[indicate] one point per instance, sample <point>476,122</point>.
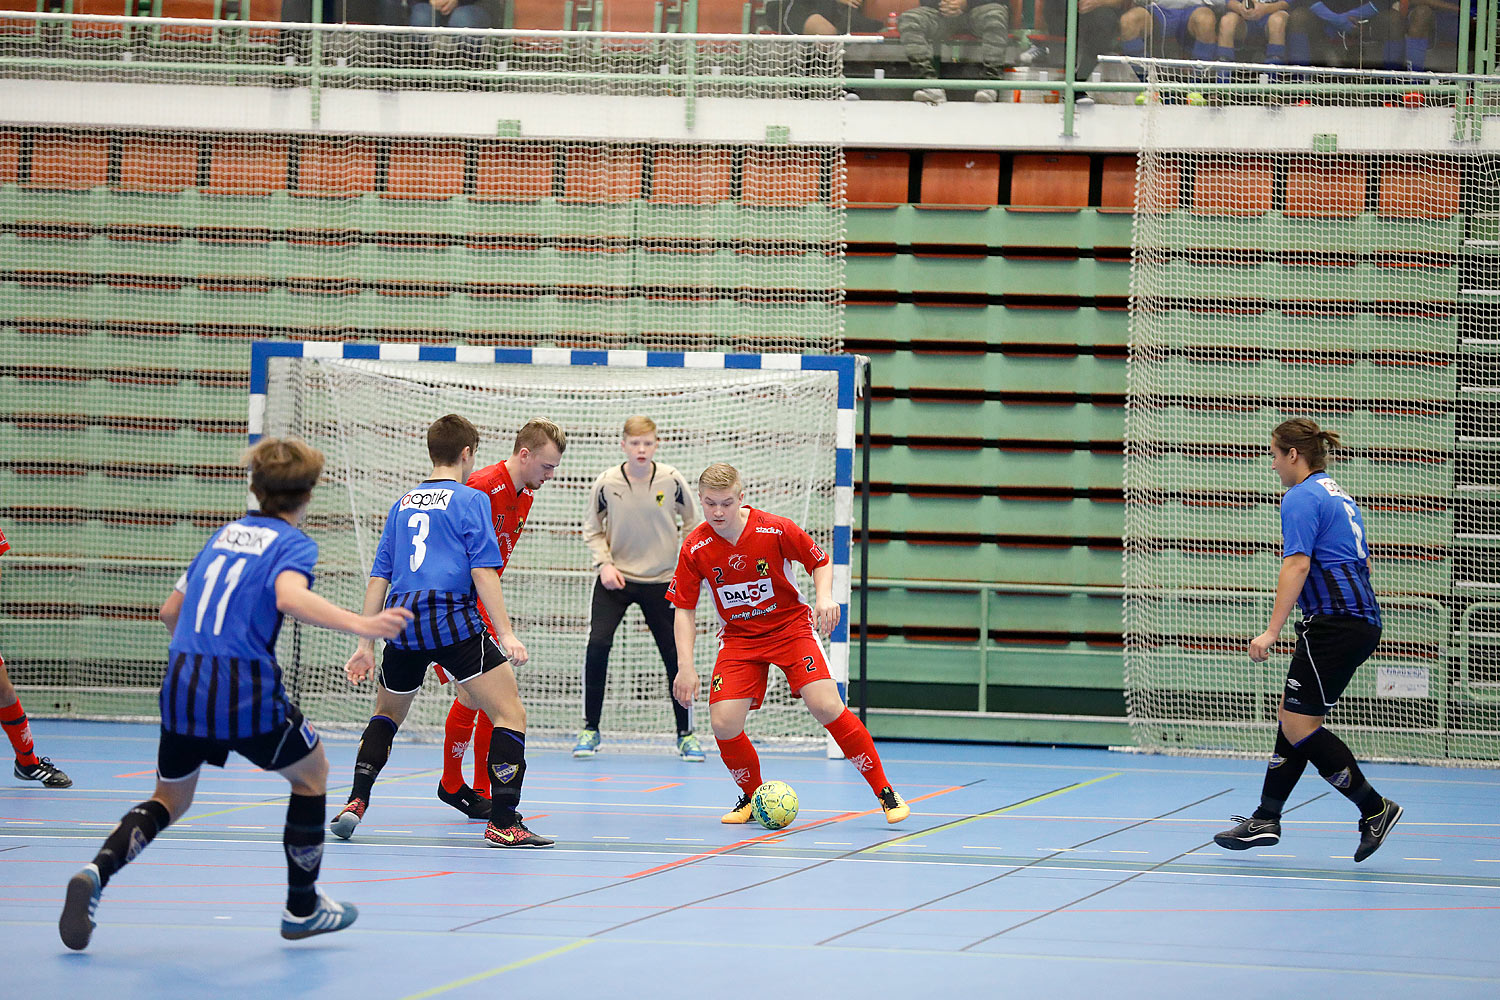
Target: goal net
<point>1329,250</point>
<point>172,191</point>
<point>779,423</point>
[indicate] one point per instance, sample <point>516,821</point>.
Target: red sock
<point>483,728</point>
<point>19,731</point>
<point>743,762</point>
<point>854,739</point>
<point>457,734</point>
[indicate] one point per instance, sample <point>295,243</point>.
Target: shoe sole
<point>583,754</point>
<point>692,758</point>
<point>1236,844</point>
<point>75,925</point>
<point>299,934</point>
<point>490,843</point>
<point>896,815</point>
<point>341,829</point>
<point>1389,827</point>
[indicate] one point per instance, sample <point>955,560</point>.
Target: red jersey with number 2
<point>751,580</point>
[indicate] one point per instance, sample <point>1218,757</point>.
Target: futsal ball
<point>1196,98</point>
<point>774,805</point>
<point>1140,98</point>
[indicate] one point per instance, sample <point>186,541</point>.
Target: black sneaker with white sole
<point>1249,832</point>
<point>1374,829</point>
<point>48,773</point>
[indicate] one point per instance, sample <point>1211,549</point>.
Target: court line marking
<point>1131,878</point>
<point>658,788</point>
<point>997,812</point>
<point>1012,871</point>
<point>776,836</point>
<point>499,970</point>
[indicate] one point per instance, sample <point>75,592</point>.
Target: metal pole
<point>864,548</point>
<point>1070,62</point>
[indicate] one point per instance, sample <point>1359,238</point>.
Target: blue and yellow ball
<point>774,805</point>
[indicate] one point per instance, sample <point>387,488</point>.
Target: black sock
<point>374,751</point>
<point>1336,764</point>
<point>1283,772</point>
<point>507,769</point>
<point>137,829</point>
<point>302,841</point>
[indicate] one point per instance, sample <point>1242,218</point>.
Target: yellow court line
<point>193,817</point>
<point>478,977</point>
<point>995,812</point>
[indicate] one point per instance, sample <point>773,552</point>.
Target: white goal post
<point>787,421</point>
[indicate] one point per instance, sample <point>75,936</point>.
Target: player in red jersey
<point>511,487</point>
<point>745,555</point>
<point>29,767</point>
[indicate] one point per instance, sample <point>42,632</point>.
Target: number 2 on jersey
<point>422,522</point>
<point>211,580</point>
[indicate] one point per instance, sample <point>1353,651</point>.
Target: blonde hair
<point>721,476</point>
<point>538,431</point>
<point>1311,441</point>
<point>638,427</point>
<point>283,472</point>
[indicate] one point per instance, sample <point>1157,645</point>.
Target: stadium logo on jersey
<point>737,562</point>
<point>246,539</point>
<point>745,595</point>
<point>763,530</point>
<point>426,500</point>
<point>699,544</point>
<point>762,567</point>
<point>660,497</point>
<point>497,488</point>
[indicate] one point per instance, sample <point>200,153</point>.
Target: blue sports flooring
<point>1031,872</point>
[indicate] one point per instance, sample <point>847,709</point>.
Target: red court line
<point>136,774</point>
<point>776,835</point>
<point>673,784</point>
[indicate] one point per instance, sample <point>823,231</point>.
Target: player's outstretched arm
<point>685,631</point>
<point>295,599</point>
<point>362,662</point>
<point>825,608</point>
<point>1294,570</point>
<point>487,583</point>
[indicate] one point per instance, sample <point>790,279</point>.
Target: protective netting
<point>170,192</point>
<point>369,417</point>
<point>1289,261</point>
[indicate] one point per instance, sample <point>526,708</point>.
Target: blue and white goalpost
<point>786,421</point>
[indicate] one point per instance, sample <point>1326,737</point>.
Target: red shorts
<point>743,665</point>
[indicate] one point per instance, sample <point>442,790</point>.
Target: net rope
<point>1291,260</point>
<point>776,427</point>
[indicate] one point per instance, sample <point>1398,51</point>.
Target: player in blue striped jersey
<point>222,690</point>
<point>438,558</point>
<point>1325,568</point>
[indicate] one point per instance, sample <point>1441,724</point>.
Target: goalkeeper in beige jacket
<point>633,533</point>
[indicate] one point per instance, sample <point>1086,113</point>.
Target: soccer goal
<point>1326,249</point>
<point>786,421</point>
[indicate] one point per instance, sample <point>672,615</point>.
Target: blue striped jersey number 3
<point>1359,536</point>
<point>211,580</point>
<point>422,522</point>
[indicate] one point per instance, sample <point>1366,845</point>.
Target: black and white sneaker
<point>1249,832</point>
<point>44,771</point>
<point>466,801</point>
<point>1374,829</point>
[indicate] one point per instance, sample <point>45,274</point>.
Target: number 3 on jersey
<point>421,522</point>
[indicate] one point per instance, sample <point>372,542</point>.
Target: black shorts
<point>402,670</point>
<point>179,756</point>
<point>1329,649</point>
